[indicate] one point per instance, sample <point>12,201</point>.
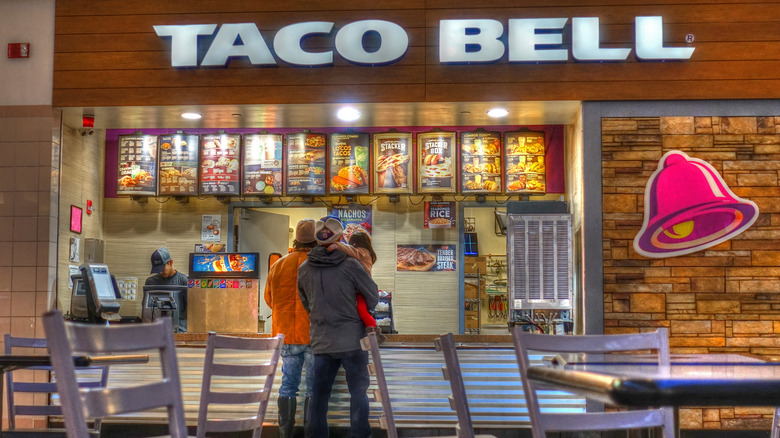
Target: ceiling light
<point>348,114</point>
<point>497,112</point>
<point>191,116</point>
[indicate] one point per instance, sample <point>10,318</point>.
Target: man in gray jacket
<point>328,283</point>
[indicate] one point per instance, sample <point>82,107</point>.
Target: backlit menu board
<point>262,169</point>
<point>349,160</point>
<point>137,167</point>
<point>306,164</point>
<point>392,162</point>
<point>219,155</point>
<point>480,162</point>
<point>437,162</point>
<point>179,165</point>
<point>525,165</point>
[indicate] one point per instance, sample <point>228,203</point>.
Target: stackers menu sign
<point>219,164</point>
<point>262,170</point>
<point>480,162</point>
<point>392,164</point>
<point>306,164</point>
<point>439,214</point>
<point>348,163</point>
<point>436,162</point>
<point>179,165</point>
<point>137,170</point>
<point>525,166</point>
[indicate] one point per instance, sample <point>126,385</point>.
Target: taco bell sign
<point>470,41</point>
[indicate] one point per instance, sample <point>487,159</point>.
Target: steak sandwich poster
<point>426,258</point>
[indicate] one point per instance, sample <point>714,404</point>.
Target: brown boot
<point>380,337</point>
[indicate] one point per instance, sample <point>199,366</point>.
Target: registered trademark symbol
<point>689,38</point>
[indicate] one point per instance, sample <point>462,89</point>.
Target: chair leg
<point>287,407</point>
<point>306,426</point>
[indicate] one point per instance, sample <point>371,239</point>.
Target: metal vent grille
<point>540,260</point>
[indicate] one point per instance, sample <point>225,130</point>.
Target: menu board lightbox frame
<point>306,164</point>
<point>437,162</point>
<point>525,166</point>
<point>393,169</point>
<point>481,156</point>
<point>349,163</point>
<point>137,165</point>
<point>183,171</point>
<point>220,173</point>
<point>225,265</point>
<point>262,164</point>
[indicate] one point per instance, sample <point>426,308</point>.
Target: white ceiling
<point>323,115</point>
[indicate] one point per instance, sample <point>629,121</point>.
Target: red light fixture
<point>88,121</point>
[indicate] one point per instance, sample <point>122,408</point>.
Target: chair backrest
<point>67,339</point>
<point>15,386</point>
<point>452,373</point>
<point>543,422</point>
<point>246,383</point>
<point>381,393</point>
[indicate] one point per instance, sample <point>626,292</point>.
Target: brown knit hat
<point>304,232</point>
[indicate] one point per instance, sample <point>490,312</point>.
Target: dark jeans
<point>326,366</point>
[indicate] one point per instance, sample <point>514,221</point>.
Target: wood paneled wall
<point>107,54</point>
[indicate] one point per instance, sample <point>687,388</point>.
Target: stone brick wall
<point>725,299</point>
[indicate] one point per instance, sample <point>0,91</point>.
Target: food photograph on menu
<point>179,165</point>
<point>349,161</point>
<point>137,165</point>
<point>425,258</point>
<point>480,162</point>
<point>262,169</point>
<point>525,162</point>
<point>437,163</point>
<point>306,164</point>
<point>392,162</point>
<point>219,169</point>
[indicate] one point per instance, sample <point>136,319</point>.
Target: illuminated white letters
<point>460,41</point>
<point>456,35</point>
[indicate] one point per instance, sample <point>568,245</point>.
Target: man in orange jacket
<point>291,319</point>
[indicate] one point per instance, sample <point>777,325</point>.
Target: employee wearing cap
<point>165,274</point>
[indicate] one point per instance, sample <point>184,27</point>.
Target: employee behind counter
<point>165,274</point>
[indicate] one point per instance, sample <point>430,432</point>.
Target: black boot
<point>287,407</point>
<point>306,417</point>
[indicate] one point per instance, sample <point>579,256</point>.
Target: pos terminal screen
<point>104,287</point>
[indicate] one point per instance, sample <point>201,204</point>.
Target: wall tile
<point>24,253</point>
<point>23,279</point>
<point>25,228</point>
<point>23,304</point>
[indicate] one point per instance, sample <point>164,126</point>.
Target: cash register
<point>95,296</point>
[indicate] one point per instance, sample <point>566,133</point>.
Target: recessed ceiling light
<point>348,114</point>
<point>497,112</point>
<point>191,116</point>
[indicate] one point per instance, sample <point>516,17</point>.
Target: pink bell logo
<point>688,207</point>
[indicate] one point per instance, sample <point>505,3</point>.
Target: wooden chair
<point>66,339</point>
<point>29,389</point>
<point>240,383</point>
<point>544,422</point>
<point>459,399</point>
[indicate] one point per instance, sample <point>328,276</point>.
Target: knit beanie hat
<point>304,231</point>
<point>328,230</point>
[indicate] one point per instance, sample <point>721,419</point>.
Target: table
<point>14,362</point>
<point>633,381</point>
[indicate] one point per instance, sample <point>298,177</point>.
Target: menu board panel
<point>179,165</point>
<point>392,164</point>
<point>437,162</point>
<point>219,164</point>
<point>137,167</point>
<point>306,164</point>
<point>348,163</point>
<point>525,163</point>
<point>262,169</point>
<point>480,162</point>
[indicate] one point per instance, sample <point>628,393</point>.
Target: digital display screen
<point>236,265</point>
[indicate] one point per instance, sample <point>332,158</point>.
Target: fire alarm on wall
<point>18,50</point>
